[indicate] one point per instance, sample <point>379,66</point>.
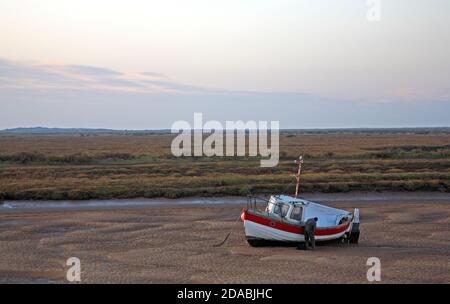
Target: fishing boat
<point>283,219</point>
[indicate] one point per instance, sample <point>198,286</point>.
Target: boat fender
<point>243,216</point>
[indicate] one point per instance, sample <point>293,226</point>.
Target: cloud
<point>26,75</point>
<point>153,74</point>
<point>79,77</point>
<point>84,96</point>
<point>421,94</point>
<point>90,70</point>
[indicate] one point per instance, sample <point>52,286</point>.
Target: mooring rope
<point>229,233</point>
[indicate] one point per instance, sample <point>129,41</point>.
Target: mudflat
<point>174,243</point>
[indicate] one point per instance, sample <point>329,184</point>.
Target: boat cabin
<point>286,207</point>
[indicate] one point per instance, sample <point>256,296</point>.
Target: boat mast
<point>299,162</point>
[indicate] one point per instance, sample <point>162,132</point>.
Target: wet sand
<point>173,243</point>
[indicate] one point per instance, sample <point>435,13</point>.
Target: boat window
<point>284,209</point>
<point>281,209</point>
<point>296,213</point>
<point>277,209</point>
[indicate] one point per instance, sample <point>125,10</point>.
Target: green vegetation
<point>72,166</point>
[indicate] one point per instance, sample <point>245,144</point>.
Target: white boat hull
<point>262,227</point>
<point>257,231</point>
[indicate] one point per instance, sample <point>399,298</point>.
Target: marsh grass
<point>118,166</point>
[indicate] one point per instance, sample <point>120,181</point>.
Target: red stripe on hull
<point>291,228</point>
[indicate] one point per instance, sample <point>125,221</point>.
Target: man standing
<point>310,230</point>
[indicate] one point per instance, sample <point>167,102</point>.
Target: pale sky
<point>144,64</point>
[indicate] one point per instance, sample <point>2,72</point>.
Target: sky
<point>145,64</point>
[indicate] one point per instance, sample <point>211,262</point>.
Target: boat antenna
<point>299,162</point>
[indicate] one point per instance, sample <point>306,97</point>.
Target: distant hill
<point>418,130</point>
<point>43,130</point>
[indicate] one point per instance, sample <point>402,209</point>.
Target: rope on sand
<point>229,233</point>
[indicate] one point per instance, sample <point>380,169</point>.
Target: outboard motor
<point>354,234</point>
